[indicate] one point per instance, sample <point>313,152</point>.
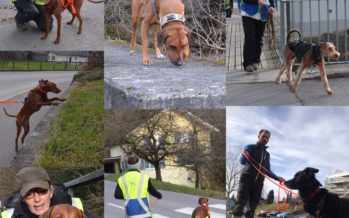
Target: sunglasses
<point>40,191</point>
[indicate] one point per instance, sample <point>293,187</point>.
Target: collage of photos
<point>174,109</point>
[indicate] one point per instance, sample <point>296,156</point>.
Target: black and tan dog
<point>309,54</point>
<point>318,202</point>
<point>168,19</point>
<point>36,98</point>
<point>203,210</point>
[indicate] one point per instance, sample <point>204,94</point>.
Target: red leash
<point>10,102</point>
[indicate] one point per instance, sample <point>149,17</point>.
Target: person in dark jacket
<point>36,194</point>
<point>254,15</point>
<point>251,181</point>
<point>134,187</point>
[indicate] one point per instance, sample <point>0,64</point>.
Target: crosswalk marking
<point>218,206</point>
<point>189,211</point>
<point>117,206</point>
<point>160,216</point>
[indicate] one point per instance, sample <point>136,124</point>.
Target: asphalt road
<point>172,204</point>
<point>15,86</point>
<point>91,38</point>
<point>130,84</point>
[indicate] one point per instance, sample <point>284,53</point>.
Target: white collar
<point>171,17</point>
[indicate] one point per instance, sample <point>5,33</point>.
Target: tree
<point>270,198</point>
<point>154,142</point>
<point>95,59</point>
<point>233,171</point>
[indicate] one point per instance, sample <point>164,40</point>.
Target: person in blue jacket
<point>254,16</point>
<point>251,181</point>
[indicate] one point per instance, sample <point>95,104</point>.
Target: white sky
<point>300,136</point>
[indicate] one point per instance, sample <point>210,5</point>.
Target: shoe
<point>256,66</point>
<point>21,27</point>
<point>249,68</point>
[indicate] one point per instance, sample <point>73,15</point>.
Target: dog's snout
<point>178,62</point>
<point>337,55</point>
<point>57,90</point>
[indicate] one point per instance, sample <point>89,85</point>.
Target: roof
<point>188,114</point>
<point>338,174</point>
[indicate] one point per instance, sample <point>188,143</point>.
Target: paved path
<point>172,204</point>
<point>91,38</point>
<point>129,84</point>
<point>259,88</point>
<point>15,86</point>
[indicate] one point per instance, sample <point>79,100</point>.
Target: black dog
<point>318,202</point>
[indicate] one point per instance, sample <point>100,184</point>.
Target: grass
<point>76,136</point>
<point>178,188</point>
<point>18,65</point>
<point>273,207</point>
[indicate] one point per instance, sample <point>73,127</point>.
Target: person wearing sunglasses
<point>37,195</point>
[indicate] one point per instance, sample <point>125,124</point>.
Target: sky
<point>300,137</point>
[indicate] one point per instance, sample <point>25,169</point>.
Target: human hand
<point>261,3</point>
<point>154,202</point>
<point>271,11</point>
<point>281,180</point>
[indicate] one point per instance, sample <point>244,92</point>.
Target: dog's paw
<point>329,92</point>
<point>57,41</point>
<point>69,23</point>
<point>147,62</point>
<point>63,99</point>
<point>79,32</point>
<point>44,37</point>
<point>132,52</point>
<point>160,56</point>
<point>278,81</point>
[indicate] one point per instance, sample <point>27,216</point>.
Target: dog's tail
<point>8,113</point>
<point>288,37</point>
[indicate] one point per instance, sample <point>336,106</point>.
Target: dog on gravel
<point>203,210</point>
<point>168,19</point>
<point>63,211</point>
<point>318,202</point>
<point>309,54</point>
<point>37,97</point>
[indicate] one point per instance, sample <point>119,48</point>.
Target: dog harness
<point>71,4</point>
<point>301,48</point>
<point>167,18</point>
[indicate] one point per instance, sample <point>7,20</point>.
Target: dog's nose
<point>337,55</point>
<point>179,62</point>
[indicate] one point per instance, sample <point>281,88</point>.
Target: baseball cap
<point>32,177</point>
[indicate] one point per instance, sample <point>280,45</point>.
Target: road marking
<point>189,211</point>
<point>117,206</point>
<point>218,206</point>
<point>159,216</point>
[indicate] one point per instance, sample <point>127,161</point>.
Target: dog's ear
<point>162,36</point>
<point>310,170</point>
<point>188,33</point>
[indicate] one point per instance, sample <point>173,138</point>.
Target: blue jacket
<point>260,155</point>
<point>251,7</point>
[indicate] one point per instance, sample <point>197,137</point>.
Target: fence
<point>319,21</point>
<point>9,65</point>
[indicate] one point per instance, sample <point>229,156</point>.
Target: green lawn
<point>76,136</point>
<point>36,65</point>
<point>179,188</point>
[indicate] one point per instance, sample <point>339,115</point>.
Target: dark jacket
<point>118,192</point>
<point>260,154</point>
<point>59,197</point>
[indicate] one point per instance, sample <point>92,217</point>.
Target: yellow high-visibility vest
<point>134,187</point>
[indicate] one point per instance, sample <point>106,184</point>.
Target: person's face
<point>38,200</point>
<point>263,138</point>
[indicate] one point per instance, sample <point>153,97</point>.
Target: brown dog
<point>56,7</point>
<point>63,211</point>
<point>168,19</point>
<point>203,210</point>
<point>36,98</point>
<point>310,54</point>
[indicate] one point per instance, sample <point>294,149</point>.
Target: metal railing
<point>318,21</point>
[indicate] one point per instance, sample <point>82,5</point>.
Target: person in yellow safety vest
<point>28,10</point>
<point>37,195</point>
<point>134,187</point>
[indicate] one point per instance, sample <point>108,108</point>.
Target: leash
<point>251,160</point>
<point>11,102</point>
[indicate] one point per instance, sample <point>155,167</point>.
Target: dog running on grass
<point>309,54</point>
<point>37,97</point>
<point>318,202</point>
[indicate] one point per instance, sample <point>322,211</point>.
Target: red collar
<point>316,191</point>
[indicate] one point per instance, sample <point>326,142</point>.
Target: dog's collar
<point>171,17</point>
<point>315,192</point>
<point>40,89</point>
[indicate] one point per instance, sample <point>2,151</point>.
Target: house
<point>180,125</point>
<point>70,57</point>
<point>338,182</point>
